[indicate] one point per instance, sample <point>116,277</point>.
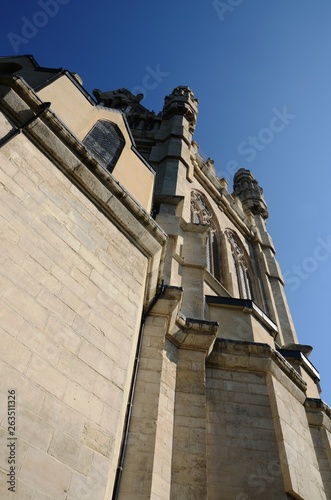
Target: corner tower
<point>247,189</point>
<point>171,153</point>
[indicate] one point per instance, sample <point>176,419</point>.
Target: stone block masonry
<point>69,302</point>
<point>125,389</point>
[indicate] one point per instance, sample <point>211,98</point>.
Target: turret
<point>181,102</point>
<point>250,193</point>
<point>247,189</point>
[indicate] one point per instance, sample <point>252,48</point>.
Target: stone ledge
<point>246,305</point>
<point>318,413</point>
<point>253,356</point>
<point>302,360</point>
<point>193,334</point>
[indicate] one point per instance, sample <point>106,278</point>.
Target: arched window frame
<point>242,269</point>
<point>202,214</point>
<point>105,143</point>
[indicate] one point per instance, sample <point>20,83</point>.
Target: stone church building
<point>147,348</point>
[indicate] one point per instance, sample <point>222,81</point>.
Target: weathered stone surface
<point>81,260</point>
<point>66,277</point>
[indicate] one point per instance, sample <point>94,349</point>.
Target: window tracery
<point>201,214</point>
<point>241,267</point>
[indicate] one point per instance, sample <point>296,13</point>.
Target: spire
<point>250,193</point>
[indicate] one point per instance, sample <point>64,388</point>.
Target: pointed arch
<point>242,269</point>
<point>201,213</point>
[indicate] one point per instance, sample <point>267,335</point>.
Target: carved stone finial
<point>210,164</point>
<point>119,99</point>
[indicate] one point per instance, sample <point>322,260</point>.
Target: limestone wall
<point>299,464</point>
<point>72,288</point>
<point>258,439</point>
<point>243,460</point>
<point>80,261</point>
<point>148,459</point>
<point>321,437</point>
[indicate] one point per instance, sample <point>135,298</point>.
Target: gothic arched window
<point>105,142</point>
<point>201,214</point>
<point>241,267</point>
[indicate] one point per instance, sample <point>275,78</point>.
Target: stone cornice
<point>257,357</point>
<point>318,413</point>
<point>245,305</point>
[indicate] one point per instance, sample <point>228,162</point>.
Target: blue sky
<point>248,62</point>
